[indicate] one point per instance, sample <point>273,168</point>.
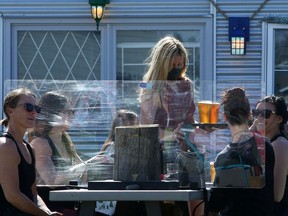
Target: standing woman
<point>167,96</point>
<point>270,117</point>
<point>18,192</point>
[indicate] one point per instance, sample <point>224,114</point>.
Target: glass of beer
<point>214,112</point>
<point>204,109</point>
<point>212,171</point>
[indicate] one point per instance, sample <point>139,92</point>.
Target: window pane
<point>281,63</point>
<point>133,48</point>
<point>59,55</point>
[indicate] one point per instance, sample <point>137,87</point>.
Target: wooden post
<point>137,153</point>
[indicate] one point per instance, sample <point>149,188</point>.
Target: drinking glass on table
<point>172,171</point>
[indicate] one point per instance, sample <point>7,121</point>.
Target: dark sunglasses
<point>264,113</point>
<point>30,107</point>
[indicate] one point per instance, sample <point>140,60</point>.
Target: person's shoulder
<point>186,80</point>
<point>261,139</point>
<point>39,143</point>
<point>5,141</point>
<point>7,147</point>
<point>281,143</point>
<point>38,139</point>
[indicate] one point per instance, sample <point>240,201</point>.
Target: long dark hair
<point>52,104</point>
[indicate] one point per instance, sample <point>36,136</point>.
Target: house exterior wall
<point>228,70</point>
<point>247,71</point>
<point>231,70</point>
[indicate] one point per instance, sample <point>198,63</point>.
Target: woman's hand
<point>178,135</point>
<point>200,138</point>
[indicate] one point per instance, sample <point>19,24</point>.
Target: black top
<point>282,206</point>
<point>58,162</point>
<point>247,201</point>
<point>26,174</point>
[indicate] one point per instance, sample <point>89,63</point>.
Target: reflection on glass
<point>93,107</point>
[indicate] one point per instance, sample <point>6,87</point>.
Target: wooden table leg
<point>87,208</point>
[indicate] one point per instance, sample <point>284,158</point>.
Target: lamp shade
<point>238,34</point>
<point>97,12</point>
<point>97,9</point>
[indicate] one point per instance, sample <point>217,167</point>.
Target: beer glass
<point>214,113</point>
<point>204,109</point>
<point>212,171</point>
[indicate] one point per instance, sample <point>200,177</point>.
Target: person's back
<point>245,151</point>
<point>247,201</point>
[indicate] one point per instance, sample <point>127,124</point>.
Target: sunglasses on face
<point>30,107</point>
<point>264,113</point>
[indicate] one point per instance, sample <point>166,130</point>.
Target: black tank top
<point>284,200</point>
<point>26,174</point>
<point>59,163</point>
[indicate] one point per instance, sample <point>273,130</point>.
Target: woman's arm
<point>9,179</point>
<point>280,147</point>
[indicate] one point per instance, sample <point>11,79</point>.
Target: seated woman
<point>241,162</point>
<point>123,117</point>
<point>55,152</point>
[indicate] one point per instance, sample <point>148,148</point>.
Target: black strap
<point>9,135</point>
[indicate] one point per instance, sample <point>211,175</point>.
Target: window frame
<point>109,29</point>
<point>268,55</point>
<point>203,24</point>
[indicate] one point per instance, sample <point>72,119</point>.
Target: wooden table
<point>88,198</point>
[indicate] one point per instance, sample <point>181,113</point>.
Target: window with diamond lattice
<point>58,55</point>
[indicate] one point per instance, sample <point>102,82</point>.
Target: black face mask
<point>174,74</point>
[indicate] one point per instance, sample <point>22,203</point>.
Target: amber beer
<point>212,171</point>
<point>204,109</point>
<point>214,113</point>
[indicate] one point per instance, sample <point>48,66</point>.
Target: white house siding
<point>61,13</point>
<point>229,71</point>
<point>233,70</point>
<point>244,71</point>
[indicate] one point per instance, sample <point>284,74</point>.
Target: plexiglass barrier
<point>105,130</point>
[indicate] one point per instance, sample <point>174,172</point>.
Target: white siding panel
<point>246,68</point>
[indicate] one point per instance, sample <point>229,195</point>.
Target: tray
<point>220,125</point>
<point>208,127</point>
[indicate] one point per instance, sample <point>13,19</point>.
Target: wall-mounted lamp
<point>239,28</point>
<point>97,9</point>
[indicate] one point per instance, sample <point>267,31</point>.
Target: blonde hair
<point>160,62</point>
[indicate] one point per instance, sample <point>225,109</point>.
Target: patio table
<point>88,198</point>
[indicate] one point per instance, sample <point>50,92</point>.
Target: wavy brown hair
<point>236,106</point>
